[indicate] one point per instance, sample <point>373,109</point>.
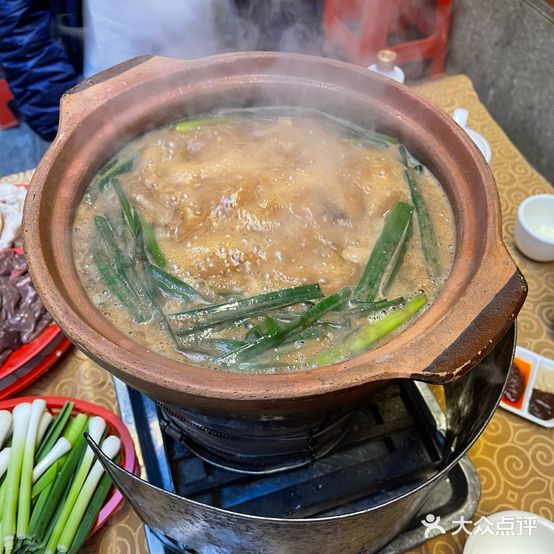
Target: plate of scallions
<point>53,493</point>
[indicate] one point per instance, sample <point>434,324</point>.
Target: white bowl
<point>535,227</point>
<point>512,532</point>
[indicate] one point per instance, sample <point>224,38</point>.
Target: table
<point>514,457</point>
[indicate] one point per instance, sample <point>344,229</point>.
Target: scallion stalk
<point>152,245</point>
<point>96,428</point>
<point>284,332</point>
<point>4,460</point>
<point>110,447</point>
<point>26,481</point>
<point>93,509</point>
<point>21,415</point>
<point>191,124</point>
<point>55,431</point>
<point>43,426</point>
<point>6,425</point>
<point>384,255</point>
<point>361,339</point>
<point>429,243</point>
<point>63,446</point>
<point>201,318</point>
<point>41,519</point>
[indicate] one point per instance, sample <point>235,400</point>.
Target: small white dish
<point>537,363</point>
<point>511,532</point>
<point>460,116</point>
<point>535,227</point>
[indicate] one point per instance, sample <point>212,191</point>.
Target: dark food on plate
<point>515,384</point>
<point>22,315</point>
<point>263,239</point>
<point>541,404</point>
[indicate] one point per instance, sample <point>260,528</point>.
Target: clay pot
<point>474,310</point>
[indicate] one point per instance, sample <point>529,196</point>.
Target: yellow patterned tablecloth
<point>514,458</point>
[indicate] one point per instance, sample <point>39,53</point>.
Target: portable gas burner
<point>399,458</point>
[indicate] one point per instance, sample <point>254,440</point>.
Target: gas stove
<point>392,444</point>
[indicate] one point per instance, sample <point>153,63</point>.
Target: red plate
<point>31,360</point>
<point>26,374</point>
<point>114,426</point>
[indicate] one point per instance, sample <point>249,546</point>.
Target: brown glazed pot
<point>474,310</point>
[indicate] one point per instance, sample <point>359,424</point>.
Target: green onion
<point>107,236</point>
<point>55,431</point>
<point>172,286</point>
<point>370,307</point>
<point>26,481</point>
<point>201,318</point>
<point>291,329</point>
<point>118,287</point>
<point>43,426</point>
<point>152,245</point>
<point>93,509</point>
<point>385,253</point>
<point>41,519</point>
<point>6,425</point>
<point>63,446</point>
<point>429,243</point>
<point>46,479</point>
<point>4,460</point>
<point>361,339</point>
<point>96,429</point>
<point>190,124</point>
<point>113,168</point>
<point>130,215</point>
<point>110,447</point>
<point>21,415</point>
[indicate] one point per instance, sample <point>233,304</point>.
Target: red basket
<point>115,426</point>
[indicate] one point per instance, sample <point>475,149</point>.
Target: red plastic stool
<point>362,27</point>
<point>7,118</point>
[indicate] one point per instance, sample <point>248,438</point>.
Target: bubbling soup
<point>263,240</point>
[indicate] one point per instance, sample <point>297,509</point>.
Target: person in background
<point>44,50</point>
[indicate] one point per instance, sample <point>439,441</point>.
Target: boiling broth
<point>248,203</point>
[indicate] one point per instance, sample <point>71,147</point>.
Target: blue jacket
<point>39,64</point>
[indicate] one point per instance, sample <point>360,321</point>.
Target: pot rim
<point>176,381</point>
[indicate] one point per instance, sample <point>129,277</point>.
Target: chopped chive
<point>276,338</point>
<point>200,318</point>
<point>361,339</point>
<point>385,253</point>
